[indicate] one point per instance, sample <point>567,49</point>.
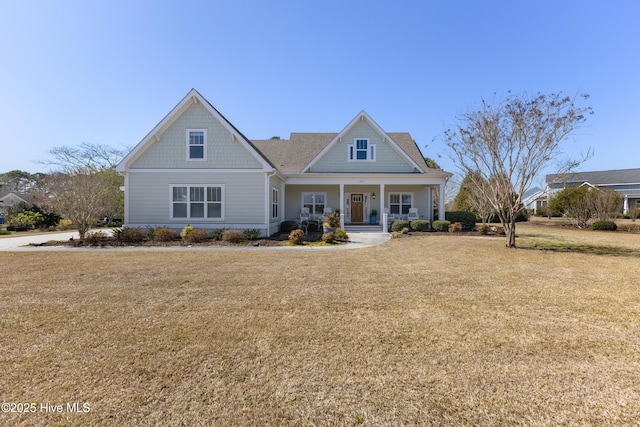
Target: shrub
<point>440,225</point>
<point>95,238</point>
<point>296,237</point>
<point>185,231</point>
<point>341,234</point>
<point>197,235</point>
<point>232,236</point>
<point>329,237</point>
<point>251,234</point>
<point>604,226</point>
<point>499,230</point>
<point>420,225</point>
<point>483,229</point>
<point>65,224</point>
<point>333,219</point>
<point>399,224</point>
<point>633,228</point>
<point>466,219</point>
<point>287,226</point>
<point>164,234</point>
<point>218,233</point>
<point>129,235</point>
<point>456,227</point>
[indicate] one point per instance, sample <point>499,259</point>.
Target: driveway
<point>24,243</point>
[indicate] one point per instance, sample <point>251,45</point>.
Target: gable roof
<point>11,198</point>
<point>608,177</point>
<point>294,154</point>
<point>192,97</point>
<point>363,116</point>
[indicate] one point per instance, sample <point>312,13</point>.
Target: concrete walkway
<point>24,243</point>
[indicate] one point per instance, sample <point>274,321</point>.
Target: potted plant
<point>373,216</point>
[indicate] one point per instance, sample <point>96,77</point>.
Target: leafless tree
<point>604,203</point>
<point>82,196</point>
<point>85,187</point>
<point>86,156</point>
<point>508,143</point>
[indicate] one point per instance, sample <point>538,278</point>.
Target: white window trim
<point>400,193</point>
<point>204,148</point>
<point>188,217</point>
<point>352,151</point>
<point>275,202</point>
<point>314,202</point>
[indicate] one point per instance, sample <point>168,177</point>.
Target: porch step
<point>363,228</point>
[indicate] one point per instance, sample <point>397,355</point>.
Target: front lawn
<point>432,330</point>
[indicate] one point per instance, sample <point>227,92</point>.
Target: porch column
<point>381,210</point>
<point>441,202</point>
<point>342,211</point>
<point>625,207</point>
<point>430,204</point>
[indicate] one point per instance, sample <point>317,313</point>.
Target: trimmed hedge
<point>420,225</point>
<point>467,219</point>
<point>440,225</point>
<point>604,226</point>
<point>399,224</point>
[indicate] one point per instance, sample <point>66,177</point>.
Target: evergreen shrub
<point>440,225</point>
<point>420,225</point>
<point>465,218</point>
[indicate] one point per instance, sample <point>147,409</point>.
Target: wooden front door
<point>357,208</point>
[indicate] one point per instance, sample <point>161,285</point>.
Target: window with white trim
<point>275,203</point>
<point>400,203</point>
<point>196,144</point>
<point>196,202</point>
<point>362,151</point>
<point>315,202</point>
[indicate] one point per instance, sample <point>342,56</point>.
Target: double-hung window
<point>196,144</point>
<point>315,202</point>
<point>400,203</point>
<point>275,203</point>
<point>362,151</point>
<point>196,202</point>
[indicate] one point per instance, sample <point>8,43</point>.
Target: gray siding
<point>387,159</point>
<point>150,197</point>
<point>170,152</point>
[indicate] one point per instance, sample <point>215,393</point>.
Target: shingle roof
<point>620,176</point>
<point>293,154</point>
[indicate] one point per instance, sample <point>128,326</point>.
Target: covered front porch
<point>367,202</point>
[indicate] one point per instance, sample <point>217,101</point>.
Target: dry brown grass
<point>436,330</point>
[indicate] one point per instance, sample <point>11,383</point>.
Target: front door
<point>357,208</point>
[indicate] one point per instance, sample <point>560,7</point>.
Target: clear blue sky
<point>107,72</point>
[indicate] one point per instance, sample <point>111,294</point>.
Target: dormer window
<point>196,144</point>
<point>362,151</point>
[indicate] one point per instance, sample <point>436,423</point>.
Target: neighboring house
<point>9,199</point>
<point>625,182</point>
<point>195,167</point>
<point>534,199</point>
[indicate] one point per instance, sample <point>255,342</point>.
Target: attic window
<point>362,151</point>
<point>196,144</point>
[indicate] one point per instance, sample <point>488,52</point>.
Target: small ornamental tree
<point>506,144</point>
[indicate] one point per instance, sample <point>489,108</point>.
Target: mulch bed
<point>278,239</point>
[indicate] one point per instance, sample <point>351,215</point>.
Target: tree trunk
<point>510,231</point>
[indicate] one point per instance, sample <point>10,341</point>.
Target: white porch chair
<point>413,214</point>
<point>304,219</point>
<point>390,217</point>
